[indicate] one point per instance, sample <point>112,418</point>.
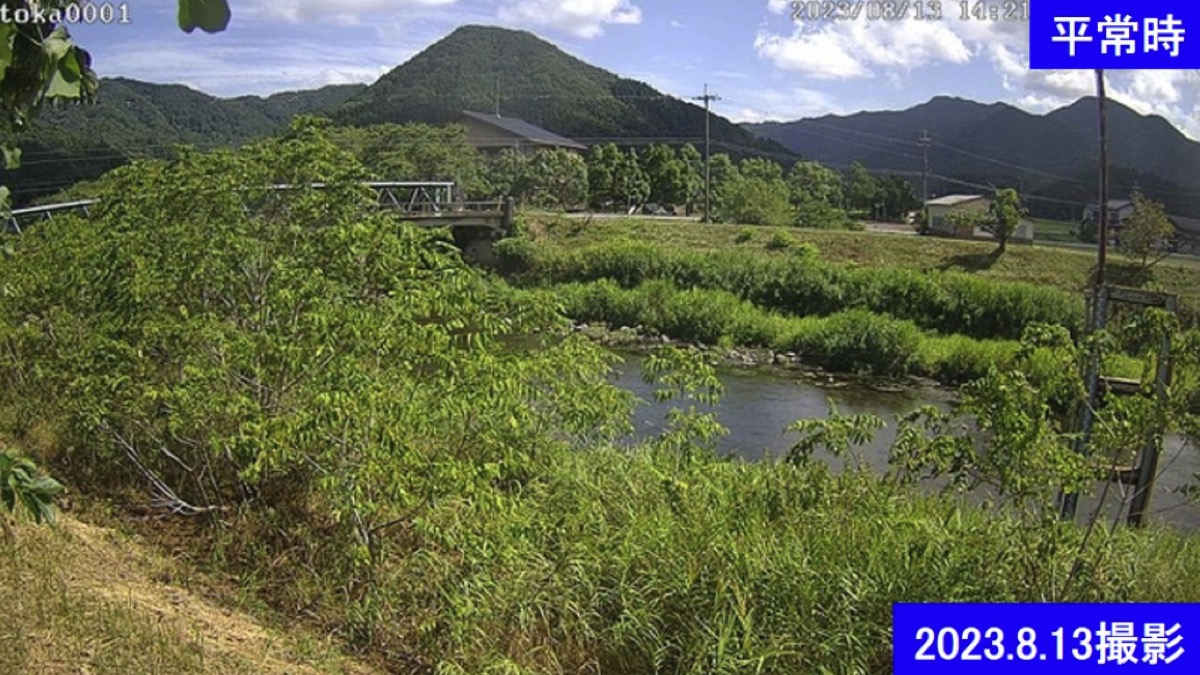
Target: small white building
<point>942,224</point>
<point>940,211</point>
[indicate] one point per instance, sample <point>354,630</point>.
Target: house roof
<point>1189,226</point>
<point>954,200</point>
<point>527,131</point>
<point>1115,204</point>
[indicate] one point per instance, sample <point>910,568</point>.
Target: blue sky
<point>763,64</point>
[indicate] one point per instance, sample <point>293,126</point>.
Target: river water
<point>760,402</point>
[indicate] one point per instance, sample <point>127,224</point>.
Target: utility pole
<point>925,141</point>
<point>707,98</point>
<point>1101,95</point>
<point>497,94</point>
<point>1099,308</point>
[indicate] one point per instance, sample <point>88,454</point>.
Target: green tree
<point>295,352</point>
<point>603,166</point>
<point>897,197</point>
<point>39,63</point>
<point>1004,215</point>
<point>630,183</point>
<point>754,201</point>
<point>415,152</point>
<point>862,189</point>
<point>558,179</point>
<point>1146,231</point>
<point>760,168</point>
<point>812,182</point>
<point>508,175</point>
<point>694,161</point>
<point>816,194</point>
<point>667,174</point>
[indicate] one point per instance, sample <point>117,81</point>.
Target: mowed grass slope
<point>76,598</point>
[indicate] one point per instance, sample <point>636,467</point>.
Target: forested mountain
<point>534,80</point>
<point>136,119</point>
<point>537,82</point>
<point>1050,158</point>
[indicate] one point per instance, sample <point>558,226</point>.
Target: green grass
<point>1066,269</point>
<point>81,599</point>
<point>853,341</point>
<point>1061,231</point>
<point>646,561</point>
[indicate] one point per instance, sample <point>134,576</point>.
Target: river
<point>760,402</point>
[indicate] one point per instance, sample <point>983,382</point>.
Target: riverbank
<point>333,415</point>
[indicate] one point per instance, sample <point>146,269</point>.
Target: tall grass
<point>642,561</point>
<point>854,341</point>
<point>801,284</point>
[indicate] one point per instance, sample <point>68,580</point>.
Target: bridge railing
<point>418,200</point>
<point>18,218</point>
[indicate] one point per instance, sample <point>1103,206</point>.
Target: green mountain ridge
<point>1052,158</point>
<point>133,119</point>
<point>476,67</point>
<point>539,83</point>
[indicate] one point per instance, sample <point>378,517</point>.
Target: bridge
<point>475,224</point>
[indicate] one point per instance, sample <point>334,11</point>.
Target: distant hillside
<point>136,119</point>
<point>282,107</point>
<point>541,84</point>
<point>1053,158</point>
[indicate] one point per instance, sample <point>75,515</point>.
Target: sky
<point>764,63</point>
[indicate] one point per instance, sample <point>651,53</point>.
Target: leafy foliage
<point>556,179</point>
<point>416,152</point>
<point>21,483</point>
<point>944,301</point>
<point>245,342</point>
<point>753,200</point>
<point>1148,230</point>
<point>1004,215</point>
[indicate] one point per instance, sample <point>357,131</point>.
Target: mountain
<point>538,82</point>
<point>1052,158</point>
<point>282,107</point>
<point>136,119</point>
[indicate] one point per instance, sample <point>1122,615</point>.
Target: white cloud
<point>344,12</point>
<point>822,56</point>
<point>841,50</point>
<point>782,105</point>
<point>1173,94</point>
<point>236,70</point>
<point>890,51</point>
<point>581,18</point>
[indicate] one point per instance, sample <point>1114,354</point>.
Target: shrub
<point>804,285</point>
<point>778,242</point>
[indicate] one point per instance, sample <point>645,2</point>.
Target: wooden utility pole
<point>1100,296</point>
<point>925,141</point>
<point>1103,256</point>
<point>707,98</point>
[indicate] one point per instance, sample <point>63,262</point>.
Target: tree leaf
<point>210,16</point>
<point>12,160</point>
<point>8,32</point>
